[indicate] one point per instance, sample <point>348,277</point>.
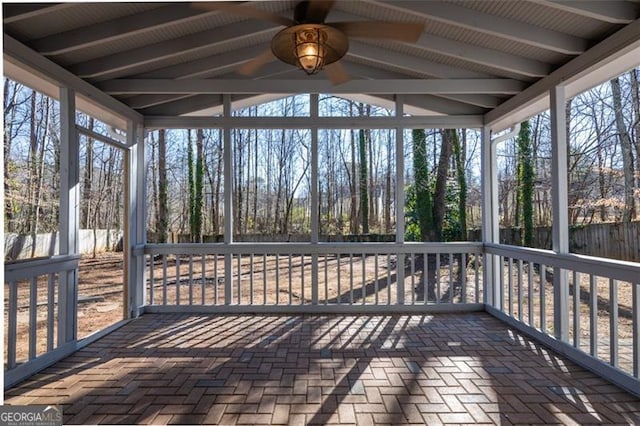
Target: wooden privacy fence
<point>610,240</point>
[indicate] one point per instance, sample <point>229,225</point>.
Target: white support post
<point>560,209</point>
<point>135,221</point>
<point>400,201</point>
<point>315,207</point>
<point>228,201</point>
<point>69,215</point>
<point>490,219</point>
<point>141,215</point>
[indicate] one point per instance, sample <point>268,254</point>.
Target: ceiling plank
<point>490,24</point>
<point>14,12</point>
<point>146,101</point>
<point>24,57</point>
<point>132,25</point>
<point>124,61</point>
<point>622,43</point>
<point>202,67</point>
<point>612,11</point>
<point>496,59</point>
<point>217,86</point>
<point>500,61</point>
<point>408,62</point>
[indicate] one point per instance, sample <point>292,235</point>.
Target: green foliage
<point>423,204</point>
<point>526,181</point>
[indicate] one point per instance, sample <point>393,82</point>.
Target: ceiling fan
<point>311,44</point>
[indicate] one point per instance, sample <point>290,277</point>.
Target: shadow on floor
<point>319,369</point>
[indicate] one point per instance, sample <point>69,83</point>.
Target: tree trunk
<point>162,224</point>
<point>526,177</point>
<point>439,198</point>
<point>627,156</point>
<point>364,196</point>
<point>85,211</point>
<point>635,100</point>
<point>424,204</point>
<point>198,187</point>
<point>460,155</point>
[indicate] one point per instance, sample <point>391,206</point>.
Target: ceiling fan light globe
<point>310,57</point>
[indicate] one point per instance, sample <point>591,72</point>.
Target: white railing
<point>589,304</point>
<point>323,276</point>
<point>35,325</point>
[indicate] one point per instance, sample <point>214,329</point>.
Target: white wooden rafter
<point>501,62</point>
<point>490,24</point>
<point>624,44</point>
<point>119,28</point>
<point>124,62</point>
<point>404,86</point>
<point>612,11</point>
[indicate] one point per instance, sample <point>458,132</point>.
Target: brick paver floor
<point>323,369</point>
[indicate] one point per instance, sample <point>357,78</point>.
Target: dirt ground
<point>286,279</point>
<point>100,303</point>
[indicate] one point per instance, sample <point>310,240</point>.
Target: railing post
<point>69,215</point>
<point>315,207</point>
<point>560,210</point>
<point>490,222</point>
<point>400,201</point>
<point>228,201</point>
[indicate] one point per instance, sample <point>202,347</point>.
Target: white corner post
<point>69,215</point>
<point>490,220</point>
<point>228,200</point>
<point>315,205</point>
<point>135,221</point>
<point>560,210</point>
<point>400,201</point>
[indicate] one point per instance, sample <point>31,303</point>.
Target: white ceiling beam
<point>202,67</point>
<point>437,104</point>
<point>425,122</point>
<point>121,63</point>
<point>500,61</point>
<point>495,59</point>
<point>116,29</point>
<point>356,70</point>
<point>184,106</point>
<point>623,44</point>
<point>218,86</point>
<point>146,101</point>
<point>490,24</point>
<point>22,56</point>
<point>14,12</point>
<point>408,62</point>
<point>612,11</point>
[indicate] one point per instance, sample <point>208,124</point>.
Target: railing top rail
<point>610,268</point>
<point>313,248</point>
<point>32,268</point>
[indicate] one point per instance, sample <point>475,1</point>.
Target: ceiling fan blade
<point>336,73</point>
<point>401,31</point>
<point>317,10</point>
<point>253,65</point>
<point>246,11</point>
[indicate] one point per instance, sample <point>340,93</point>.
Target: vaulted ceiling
<point>179,58</point>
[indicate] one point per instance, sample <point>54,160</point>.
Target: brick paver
<point>323,369</point>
